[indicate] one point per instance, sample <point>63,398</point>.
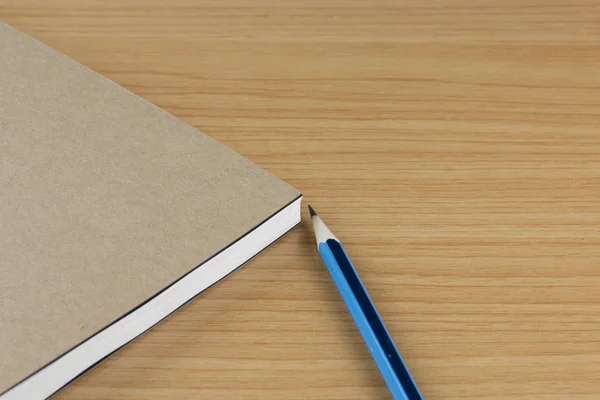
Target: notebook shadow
<point>176,343</point>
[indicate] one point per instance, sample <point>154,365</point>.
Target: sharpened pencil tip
<point>312,212</point>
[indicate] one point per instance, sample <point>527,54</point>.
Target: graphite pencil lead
<point>312,212</point>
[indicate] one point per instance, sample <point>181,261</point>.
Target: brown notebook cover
<point>106,202</point>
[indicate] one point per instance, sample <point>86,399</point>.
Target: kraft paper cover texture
<point>105,200</point>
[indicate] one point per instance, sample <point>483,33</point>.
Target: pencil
<point>367,319</point>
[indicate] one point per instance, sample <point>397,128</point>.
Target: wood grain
<point>452,145</point>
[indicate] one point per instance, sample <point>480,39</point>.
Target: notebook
<point>113,214</point>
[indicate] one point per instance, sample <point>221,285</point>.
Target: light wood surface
<point>453,146</point>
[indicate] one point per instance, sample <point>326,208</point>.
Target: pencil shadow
<point>356,352</point>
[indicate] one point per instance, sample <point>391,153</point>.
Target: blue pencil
<point>370,325</point>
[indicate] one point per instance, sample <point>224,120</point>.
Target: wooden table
<point>453,146</point>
